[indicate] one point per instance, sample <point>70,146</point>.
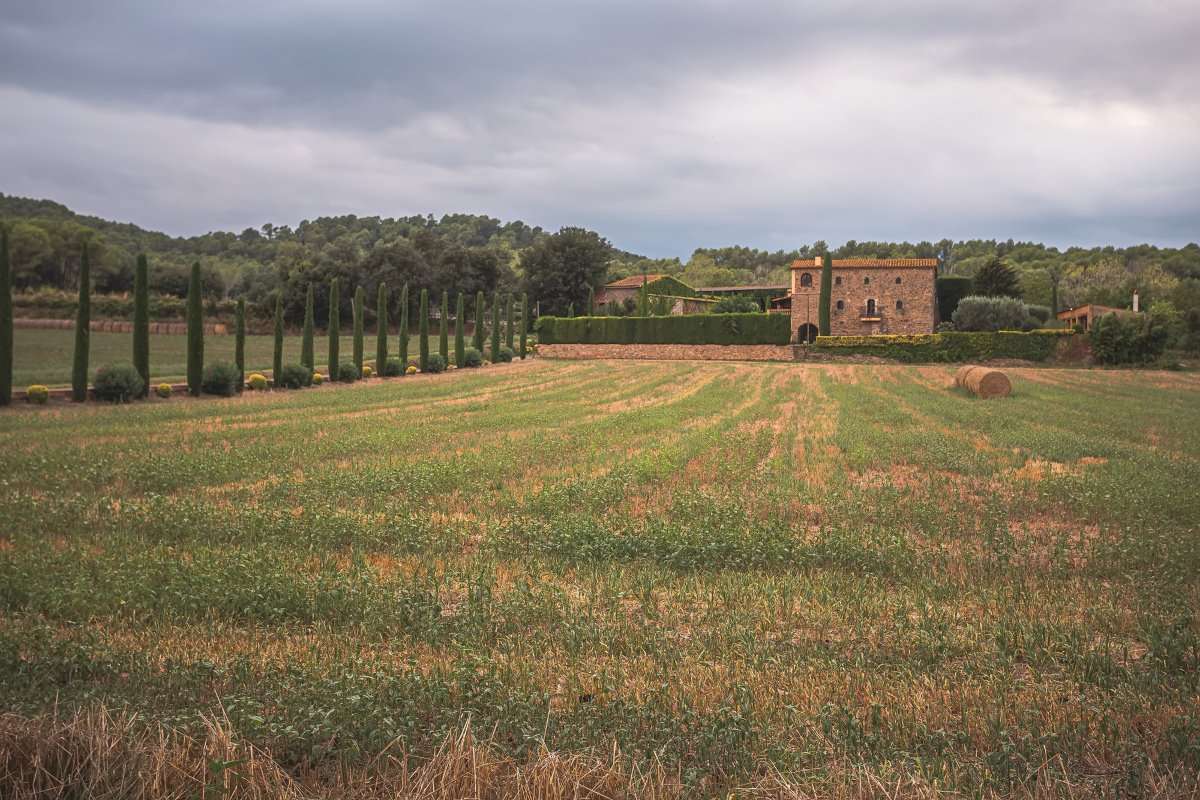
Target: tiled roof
<point>632,281</point>
<point>869,263</point>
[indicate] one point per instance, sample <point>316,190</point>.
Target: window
<point>806,279</point>
<point>837,281</point>
<point>866,281</point>
<point>870,308</point>
<point>897,279</point>
<point>899,303</point>
<point>841,304</point>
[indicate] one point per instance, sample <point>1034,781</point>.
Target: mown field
<point>609,579</point>
<point>44,356</point>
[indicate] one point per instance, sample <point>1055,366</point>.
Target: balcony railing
<point>869,313</point>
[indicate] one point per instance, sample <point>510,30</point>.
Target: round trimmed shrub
<point>163,390</point>
<point>37,394</point>
<point>367,371</point>
<point>294,376</point>
<point>118,383</point>
<point>436,363</point>
<point>348,372</point>
<point>220,378</point>
<point>412,370</point>
<point>472,358</point>
<point>317,379</point>
<point>392,368</point>
<point>257,381</point>
<point>505,355</point>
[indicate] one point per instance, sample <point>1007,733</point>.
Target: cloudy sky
<point>663,125</point>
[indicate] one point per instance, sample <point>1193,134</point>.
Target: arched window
<point>806,279</point>
<point>897,279</point>
<point>866,281</point>
<point>841,304</point>
<point>870,308</point>
<point>899,305</point>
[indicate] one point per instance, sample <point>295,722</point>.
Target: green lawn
<point>647,578</point>
<point>44,356</point>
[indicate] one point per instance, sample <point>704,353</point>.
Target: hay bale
<point>986,383</point>
<point>962,374</point>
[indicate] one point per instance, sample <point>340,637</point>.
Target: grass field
<point>44,356</point>
<point>643,579</point>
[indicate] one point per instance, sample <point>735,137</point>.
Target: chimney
<point>1135,300</point>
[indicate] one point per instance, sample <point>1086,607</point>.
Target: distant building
<point>1085,315</point>
<point>624,289</point>
<point>870,296</point>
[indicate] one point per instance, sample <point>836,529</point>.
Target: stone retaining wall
<point>670,352</point>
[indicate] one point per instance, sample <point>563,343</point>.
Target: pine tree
<point>141,322</point>
<point>591,302</point>
<point>495,327</point>
<point>195,334</point>
<point>6,321</point>
<point>277,363</point>
<point>307,357</point>
<point>83,323</point>
<point>524,322</point>
<point>381,329</point>
<point>239,341</point>
<point>823,299</point>
<point>423,330</point>
<point>360,297</point>
<point>460,347</point>
<point>477,339</point>
<point>997,279</point>
<point>333,330</point>
<point>444,333</point>
<point>508,321</point>
<point>404,327</point>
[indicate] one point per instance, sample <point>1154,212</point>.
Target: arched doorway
<point>806,333</point>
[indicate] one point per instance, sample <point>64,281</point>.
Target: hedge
<point>947,347</point>
<point>687,329</point>
<point>59,304</point>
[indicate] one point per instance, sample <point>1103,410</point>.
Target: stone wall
<point>116,326</point>
<point>854,286</point>
<point>670,352</point>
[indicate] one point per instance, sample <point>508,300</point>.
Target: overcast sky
<point>663,125</point>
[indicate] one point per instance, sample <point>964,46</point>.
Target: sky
<point>665,126</point>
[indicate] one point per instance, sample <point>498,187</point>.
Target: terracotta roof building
<point>870,296</point>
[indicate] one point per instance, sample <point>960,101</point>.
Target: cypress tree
<point>444,333</point>
<point>334,330</point>
<point>6,321</point>
<point>381,329</point>
<point>524,322</point>
<point>195,334</point>
<point>359,299</point>
<point>423,330</point>
<point>83,324</point>
<point>643,309</point>
<point>477,339</point>
<point>239,341</point>
<point>508,322</point>
<point>591,305</point>
<point>277,364</point>
<point>307,357</point>
<point>823,299</point>
<point>495,327</point>
<point>460,346</point>
<point>141,322</point>
<point>570,310</point>
<point>404,327</point>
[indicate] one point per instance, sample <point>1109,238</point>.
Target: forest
<point>469,253</point>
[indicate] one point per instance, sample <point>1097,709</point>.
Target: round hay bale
<point>961,374</point>
<point>987,383</point>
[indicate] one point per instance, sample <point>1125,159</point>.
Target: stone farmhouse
<point>870,296</point>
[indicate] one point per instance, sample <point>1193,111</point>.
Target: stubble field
<point>607,579</point>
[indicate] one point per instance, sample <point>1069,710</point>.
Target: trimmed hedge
<point>688,329</point>
<point>948,347</point>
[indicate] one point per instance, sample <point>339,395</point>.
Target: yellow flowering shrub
<point>38,394</point>
<point>257,381</point>
<point>163,390</point>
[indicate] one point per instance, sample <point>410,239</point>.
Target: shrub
<point>506,354</point>
<point>221,378</point>
<point>367,371</point>
<point>348,372</point>
<point>757,328</point>
<point>436,363</point>
<point>472,358</point>
<point>992,314</point>
<point>163,390</point>
<point>317,379</point>
<point>293,376</point>
<point>1040,314</point>
<point>735,304</point>
<point>412,370</point>
<point>1127,339</point>
<point>37,394</point>
<point>257,381</point>
<point>118,383</point>
<point>948,347</point>
<point>392,368</point>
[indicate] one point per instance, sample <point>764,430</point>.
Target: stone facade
<point>870,296</point>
